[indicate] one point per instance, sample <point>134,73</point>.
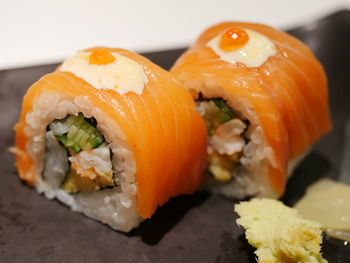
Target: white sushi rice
<point>113,206</point>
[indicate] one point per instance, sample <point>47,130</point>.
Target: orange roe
<point>101,57</point>
<point>233,39</point>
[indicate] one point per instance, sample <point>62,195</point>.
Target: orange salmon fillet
<point>166,134</point>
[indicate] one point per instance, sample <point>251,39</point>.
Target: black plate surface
<point>198,228</point>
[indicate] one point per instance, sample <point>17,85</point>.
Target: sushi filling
<point>81,154</point>
<point>226,137</point>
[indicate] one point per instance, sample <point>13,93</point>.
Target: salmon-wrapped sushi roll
<point>112,135</point>
<point>264,97</point>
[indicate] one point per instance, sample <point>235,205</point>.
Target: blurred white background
<point>42,31</point>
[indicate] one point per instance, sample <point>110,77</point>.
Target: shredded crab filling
<point>227,138</point>
<point>85,157</point>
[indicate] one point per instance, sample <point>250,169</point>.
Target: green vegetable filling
<point>217,112</point>
<point>81,135</point>
<point>226,114</point>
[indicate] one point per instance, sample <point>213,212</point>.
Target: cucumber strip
<point>226,113</point>
<point>81,135</point>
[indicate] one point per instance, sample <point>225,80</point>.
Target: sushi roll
<point>264,98</point>
<point>111,135</point>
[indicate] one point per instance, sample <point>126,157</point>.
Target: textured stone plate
<point>198,228</point>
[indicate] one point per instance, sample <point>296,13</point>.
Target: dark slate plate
<point>198,228</point>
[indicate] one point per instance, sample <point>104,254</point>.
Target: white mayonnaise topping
<point>253,54</point>
<point>123,75</point>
